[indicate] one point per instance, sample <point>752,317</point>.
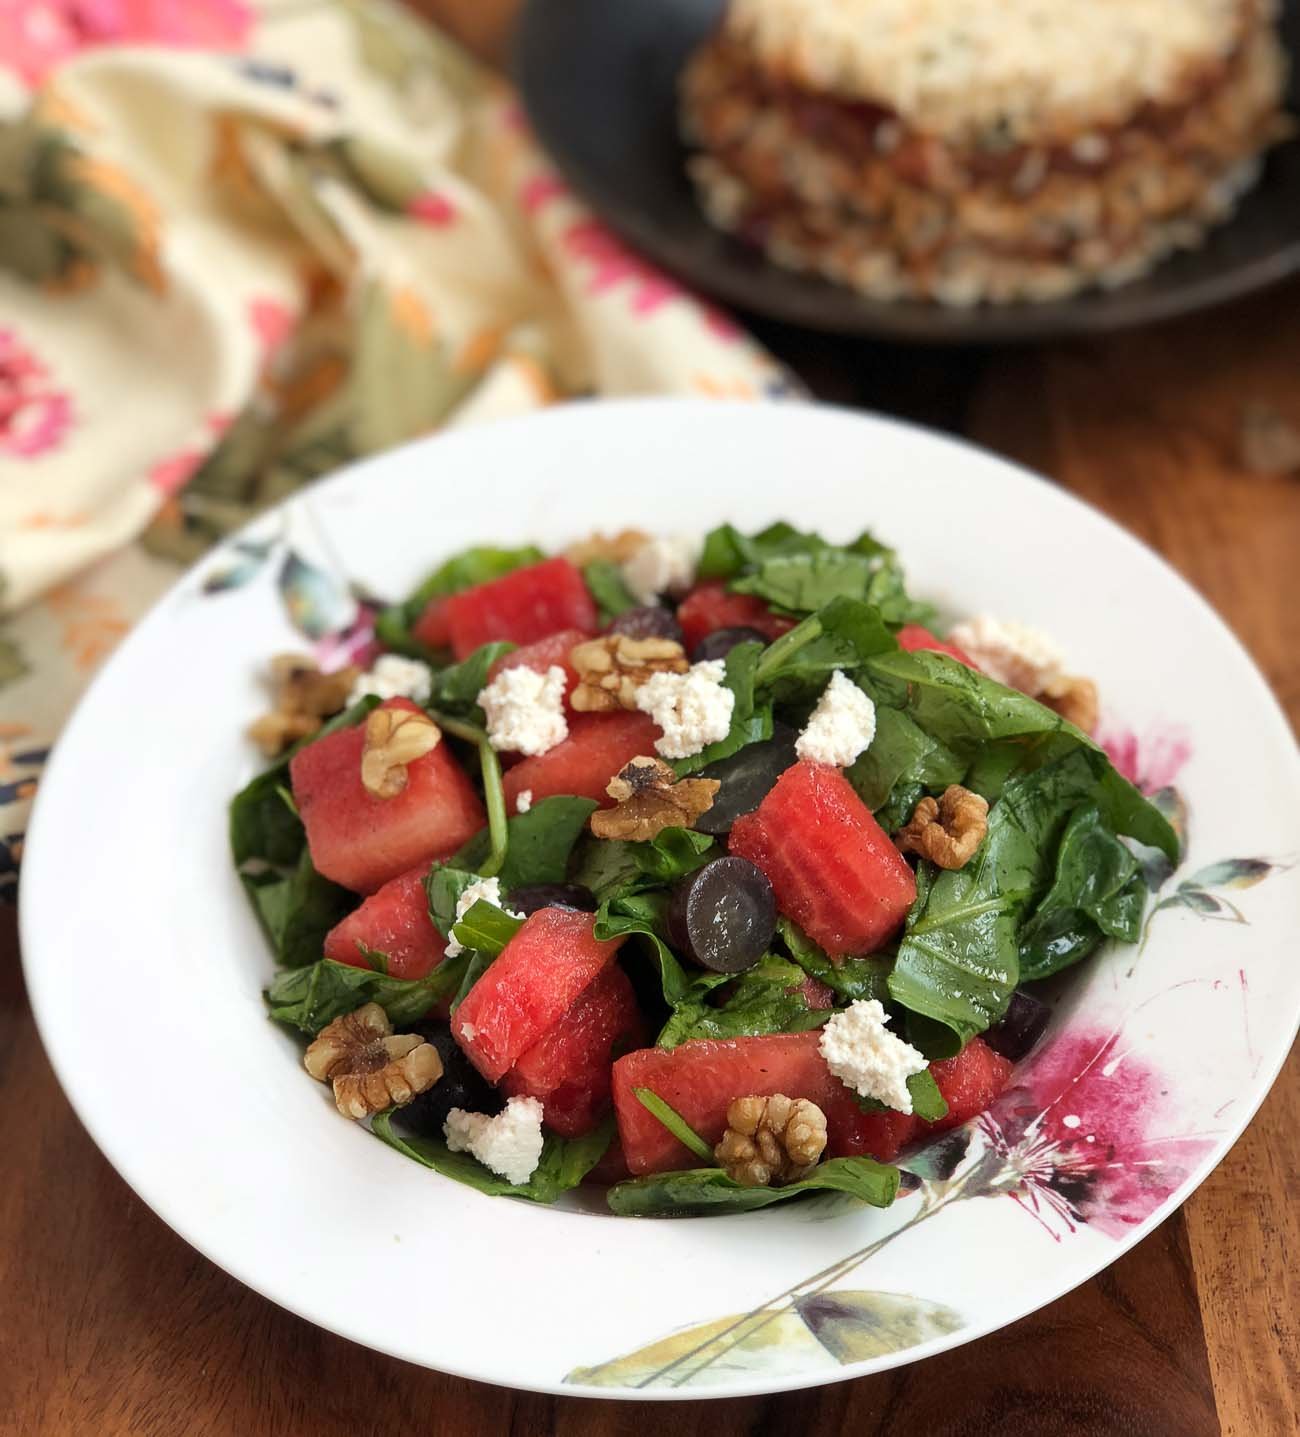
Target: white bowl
<point>145,966</point>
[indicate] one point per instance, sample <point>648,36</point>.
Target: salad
<point>699,869</point>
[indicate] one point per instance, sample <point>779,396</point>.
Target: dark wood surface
<point>110,1324</point>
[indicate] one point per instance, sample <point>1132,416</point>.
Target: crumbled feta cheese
<point>394,677</point>
<point>662,566</point>
<point>509,1143</point>
<point>1013,654</point>
<point>523,800</point>
<point>840,727</point>
<point>489,891</point>
<point>866,1056</point>
<point>693,709</point>
<point>525,709</point>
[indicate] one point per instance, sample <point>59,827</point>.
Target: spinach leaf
<point>844,634</point>
<point>309,998</point>
<point>958,962</point>
<point>928,1103</point>
<point>709,1190</point>
<point>264,823</point>
<point>456,689</point>
<point>902,762</point>
<point>802,583</point>
<point>727,552</point>
<point>750,723</point>
<point>462,571</point>
<point>538,844</point>
<point>486,928</point>
<point>766,999</point>
<point>672,853</point>
<point>643,915</point>
<point>297,910</point>
<point>444,884</point>
<point>605,581</point>
<point>1098,892</point>
<point>608,866</point>
<point>850,978</point>
<point>563,1164</point>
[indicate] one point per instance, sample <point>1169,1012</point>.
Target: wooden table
<point>110,1324</point>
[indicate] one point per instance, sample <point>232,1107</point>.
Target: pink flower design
<point>271,321</point>
<point>34,416</point>
<point>172,472</point>
<point>539,190</point>
<point>37,35</point>
<point>612,265</point>
<point>1153,760</point>
<point>354,644</point>
<point>1089,1135</point>
<point>432,208</point>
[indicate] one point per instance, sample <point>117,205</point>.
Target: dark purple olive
<point>1019,1028</point>
<point>461,1084</point>
<point>746,778</point>
<point>723,915</point>
<point>720,643</point>
<point>529,897</point>
<point>650,621</point>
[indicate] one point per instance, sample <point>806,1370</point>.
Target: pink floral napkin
<point>240,245</point>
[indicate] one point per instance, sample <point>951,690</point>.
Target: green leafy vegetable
<point>843,635</point>
<point>803,583</point>
<point>750,723</point>
<point>538,843</point>
<point>486,928</point>
<point>672,853</point>
<point>462,571</point>
<point>444,884</point>
<point>708,1190</point>
<point>494,797</point>
<point>297,910</point>
<point>674,1122</point>
<point>928,1103</point>
<point>850,978</point>
<point>605,581</point>
<point>763,1000</point>
<point>456,689</point>
<point>958,962</point>
<point>902,763</point>
<point>562,1166</point>
<point>642,915</point>
<point>309,998</point>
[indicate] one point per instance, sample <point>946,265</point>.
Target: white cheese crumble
<point>489,891</point>
<point>841,726</point>
<point>662,566</point>
<point>509,1143</point>
<point>861,1051</point>
<point>525,709</point>
<point>1013,654</point>
<point>693,709</point>
<point>394,677</point>
<point>523,800</point>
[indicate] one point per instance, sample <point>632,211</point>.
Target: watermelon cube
<point>597,747</point>
<point>541,655</point>
<point>535,980</point>
<point>524,606</point>
<point>969,1082</point>
<point>569,1067</point>
<point>709,607</point>
<point>832,867</point>
<point>913,637</point>
<point>361,841</point>
<point>393,921</point>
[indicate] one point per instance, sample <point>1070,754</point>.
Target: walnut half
<point>302,697</point>
<point>947,832</point>
<point>650,797</point>
<point>771,1140</point>
<point>612,668</point>
<point>394,738</point>
<point>370,1066</point>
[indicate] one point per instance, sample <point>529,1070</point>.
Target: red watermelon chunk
<point>393,921</point>
<point>568,1068</point>
<point>598,746</point>
<point>532,984</point>
<point>912,637</point>
<point>361,841</point>
<point>523,606</point>
<point>831,865</point>
<point>431,627</point>
<point>543,654</point>
<point>709,607</point>
<point>969,1082</point>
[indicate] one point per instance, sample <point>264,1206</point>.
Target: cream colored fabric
<point>240,246</point>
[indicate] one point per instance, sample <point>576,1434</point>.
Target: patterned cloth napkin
<point>240,245</point>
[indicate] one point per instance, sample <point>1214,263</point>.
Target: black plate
<point>599,81</point>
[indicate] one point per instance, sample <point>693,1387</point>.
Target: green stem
<point>493,792</point>
<point>675,1123</point>
<point>779,653</point>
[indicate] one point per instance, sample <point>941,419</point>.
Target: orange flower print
<point>35,416</point>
